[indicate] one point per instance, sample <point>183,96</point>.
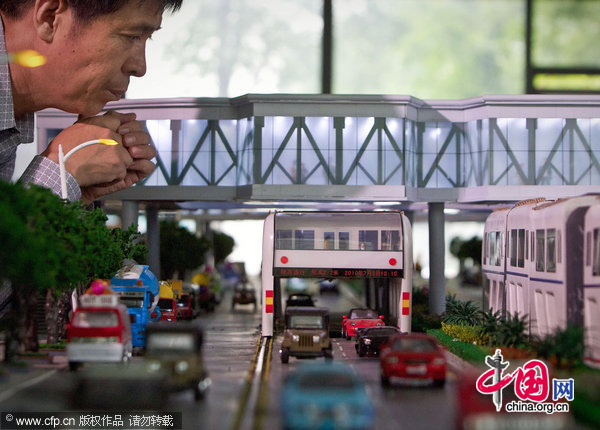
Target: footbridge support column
<point>437,251</point>
<point>153,239</point>
<point>129,214</point>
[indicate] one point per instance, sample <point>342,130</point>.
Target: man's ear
<point>47,15</point>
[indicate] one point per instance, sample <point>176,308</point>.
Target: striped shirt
<point>41,171</point>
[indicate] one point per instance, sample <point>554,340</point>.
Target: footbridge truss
<point>363,148</point>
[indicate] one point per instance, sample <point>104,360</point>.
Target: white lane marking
<point>12,391</point>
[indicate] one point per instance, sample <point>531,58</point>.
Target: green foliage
<point>587,397</point>
<point>51,248</point>
<point>563,345</point>
<point>357,285</point>
<point>51,244</point>
<point>463,249</point>
<point>422,320</point>
<point>466,333</point>
<point>496,330</point>
<point>420,296</point>
<point>465,313</point>
<point>128,242</point>
<point>180,250</point>
<point>61,344</point>
<point>511,331</point>
<point>467,351</point>
<point>20,244</point>
<point>222,246</point>
<point>489,324</point>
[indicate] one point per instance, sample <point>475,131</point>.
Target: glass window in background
<point>367,240</point>
<point>328,240</point>
<point>304,239</point>
<point>283,239</point>
<point>566,35</point>
<point>429,49</point>
<point>226,48</point>
<point>344,240</point>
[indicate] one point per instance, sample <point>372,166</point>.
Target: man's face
<point>92,63</point>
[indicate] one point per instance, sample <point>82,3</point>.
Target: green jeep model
<point>306,333</point>
<point>176,349</point>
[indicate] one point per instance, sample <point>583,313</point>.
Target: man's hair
<point>85,10</point>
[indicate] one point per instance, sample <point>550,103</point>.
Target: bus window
<point>558,247</point>
<point>513,247</point>
<point>484,255</point>
<point>596,253</point>
<point>344,240</point>
<point>283,239</point>
<point>499,253</point>
<point>492,249</point>
<point>588,248</point>
<point>551,250</point>
<point>304,239</point>
<point>390,240</point>
<point>521,248</point>
<point>540,237</point>
<point>328,240</point>
<point>367,240</point>
<point>496,248</point>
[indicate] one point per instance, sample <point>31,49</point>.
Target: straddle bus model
<point>542,259</point>
<point>339,245</point>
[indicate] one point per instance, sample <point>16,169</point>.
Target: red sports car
<point>359,318</point>
<point>415,356</point>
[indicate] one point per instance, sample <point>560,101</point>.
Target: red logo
<point>531,380</point>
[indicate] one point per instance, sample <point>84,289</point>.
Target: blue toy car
<point>326,395</point>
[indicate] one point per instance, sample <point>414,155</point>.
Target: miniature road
<point>229,347</point>
<point>242,382</point>
<point>397,407</point>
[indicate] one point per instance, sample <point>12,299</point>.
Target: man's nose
<point>136,63</point>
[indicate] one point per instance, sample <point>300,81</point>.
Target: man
<point>92,49</point>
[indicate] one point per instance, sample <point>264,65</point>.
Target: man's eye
<point>133,37</point>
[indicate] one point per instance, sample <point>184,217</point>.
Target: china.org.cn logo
<point>531,386</point>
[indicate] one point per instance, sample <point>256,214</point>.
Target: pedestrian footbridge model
<point>363,148</point>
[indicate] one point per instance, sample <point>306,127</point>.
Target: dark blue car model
<point>326,395</point>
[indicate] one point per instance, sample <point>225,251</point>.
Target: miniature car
<point>99,331</point>
<point>326,396</point>
<point>177,349</point>
<point>475,410</point>
<point>410,357</point>
<point>184,307</point>
<point>370,339</point>
<point>359,318</point>
<point>243,295</point>
<point>306,333</point>
<point>109,387</point>
<point>206,299</point>
<point>299,299</point>
<point>168,310</point>
<point>328,286</point>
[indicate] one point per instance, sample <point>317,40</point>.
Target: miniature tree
<point>180,250</point>
<point>50,245</point>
